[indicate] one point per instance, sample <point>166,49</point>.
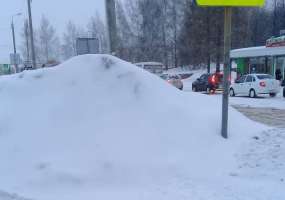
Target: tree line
<point>50,47</point>
<point>174,32</point>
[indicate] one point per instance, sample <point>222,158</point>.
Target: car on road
<point>208,83</point>
<point>174,80</point>
<point>253,85</point>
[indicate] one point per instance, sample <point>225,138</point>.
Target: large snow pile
<point>97,127</point>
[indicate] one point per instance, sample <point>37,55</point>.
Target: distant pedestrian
<point>278,75</point>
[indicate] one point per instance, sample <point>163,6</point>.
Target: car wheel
<point>194,89</point>
<point>272,94</point>
<point>181,88</point>
<point>232,92</point>
<point>211,91</point>
<point>208,91</point>
<point>252,93</point>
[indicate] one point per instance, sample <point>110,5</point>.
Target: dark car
<point>208,83</point>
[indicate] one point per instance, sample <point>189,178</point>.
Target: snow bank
<point>97,127</point>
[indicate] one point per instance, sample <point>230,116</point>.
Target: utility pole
<point>112,25</point>
<point>14,45</point>
<point>14,41</point>
<point>227,67</point>
<point>32,35</point>
<point>26,27</point>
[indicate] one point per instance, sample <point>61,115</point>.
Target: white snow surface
<point>97,127</point>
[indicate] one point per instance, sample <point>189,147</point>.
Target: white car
<point>254,84</point>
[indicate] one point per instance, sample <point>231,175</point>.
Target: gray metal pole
<point>27,39</point>
<point>227,66</point>
<point>14,44</point>
<point>32,35</point>
<point>112,25</point>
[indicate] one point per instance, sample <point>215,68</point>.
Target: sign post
<point>228,4</point>
<point>227,69</point>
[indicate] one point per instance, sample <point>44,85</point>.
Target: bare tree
<point>69,40</point>
<point>125,35</point>
<point>48,41</point>
<point>96,28</point>
<point>25,47</point>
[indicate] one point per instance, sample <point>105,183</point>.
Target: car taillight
<point>262,84</point>
<point>213,79</point>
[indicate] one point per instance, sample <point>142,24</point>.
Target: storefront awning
<point>258,52</point>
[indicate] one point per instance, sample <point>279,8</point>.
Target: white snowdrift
<point>97,127</point>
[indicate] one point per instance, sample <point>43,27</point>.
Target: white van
<point>152,67</point>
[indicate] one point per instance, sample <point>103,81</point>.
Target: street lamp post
<point>14,40</point>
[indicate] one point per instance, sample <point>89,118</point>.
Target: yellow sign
<point>230,2</point>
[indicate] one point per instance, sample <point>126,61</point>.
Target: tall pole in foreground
<point>111,25</point>
<point>227,66</point>
<point>32,35</point>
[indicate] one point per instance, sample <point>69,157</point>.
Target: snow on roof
<point>257,52</point>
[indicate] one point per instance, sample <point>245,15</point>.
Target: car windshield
<point>241,79</point>
<point>164,77</point>
<point>264,76</point>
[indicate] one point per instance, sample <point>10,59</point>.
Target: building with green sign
<point>5,69</point>
<point>269,60</point>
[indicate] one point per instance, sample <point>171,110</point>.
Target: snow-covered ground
<point>97,127</point>
<point>262,101</point>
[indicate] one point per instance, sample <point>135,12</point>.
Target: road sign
<point>15,59</point>
<point>87,46</point>
<point>230,2</point>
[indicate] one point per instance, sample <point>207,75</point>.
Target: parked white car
<point>253,85</point>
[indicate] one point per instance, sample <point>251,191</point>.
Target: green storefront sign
<point>240,65</point>
<point>5,69</point>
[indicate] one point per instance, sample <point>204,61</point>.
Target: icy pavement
<point>269,116</point>
<point>262,101</point>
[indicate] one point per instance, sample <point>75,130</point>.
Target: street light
<point>14,40</point>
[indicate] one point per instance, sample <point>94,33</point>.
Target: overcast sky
<point>58,11</point>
